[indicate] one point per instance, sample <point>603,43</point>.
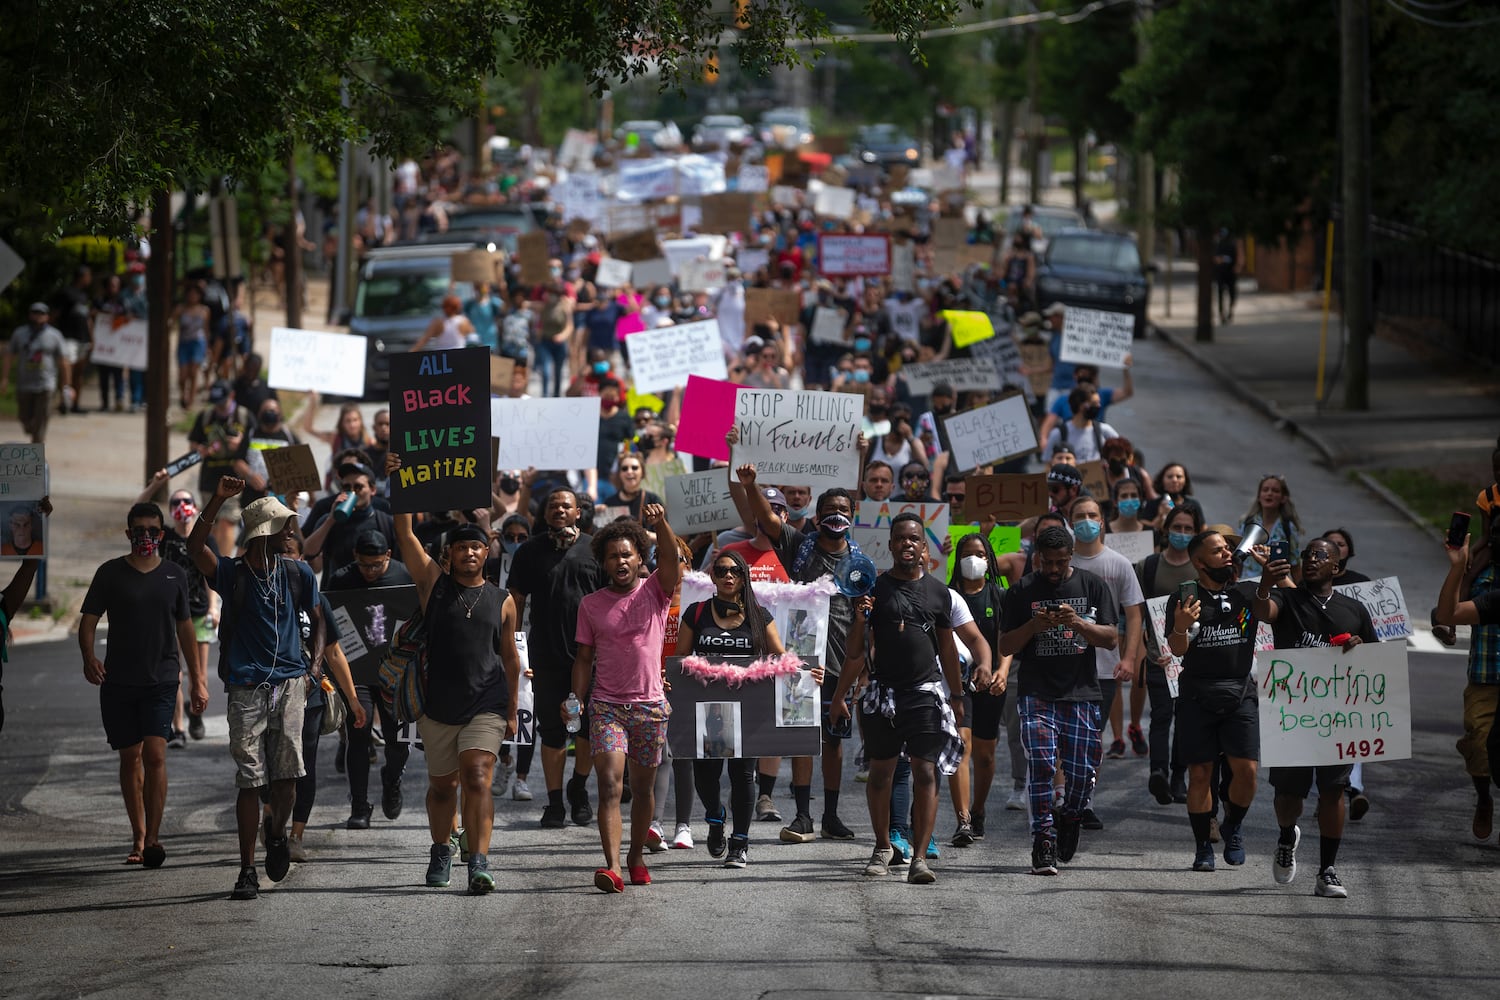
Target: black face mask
<point>646,441</point>
<point>1116,466</point>
<point>509,485</point>
<point>1219,574</point>
<point>270,419</point>
<point>1091,411</point>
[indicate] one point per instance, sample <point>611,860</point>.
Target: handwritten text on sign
<point>872,530</point>
<point>439,425</point>
<point>123,346</point>
<point>332,363</point>
<point>1386,604</point>
<point>23,471</point>
<point>1006,498</point>
<point>1328,706</point>
<point>799,437</point>
<point>546,433</point>
<point>700,501</point>
<point>963,374</point>
<point>1096,337</point>
<point>663,358</point>
<point>854,255</point>
<point>992,433</point>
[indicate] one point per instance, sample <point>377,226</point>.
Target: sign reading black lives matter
<point>440,426</point>
<point>775,717</point>
<point>800,436</point>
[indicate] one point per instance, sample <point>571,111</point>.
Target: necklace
<point>469,608</point>
<point>1323,601</point>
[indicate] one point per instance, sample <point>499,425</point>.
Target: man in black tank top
<point>906,625</point>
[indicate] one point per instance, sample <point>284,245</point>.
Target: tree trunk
<point>1080,168</point>
<point>1205,237</point>
<point>158,339</point>
<point>293,248</point>
<point>1006,133</point>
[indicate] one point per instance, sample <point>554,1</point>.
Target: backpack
<point>403,670</point>
<point>243,583</point>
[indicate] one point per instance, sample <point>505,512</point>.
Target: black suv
<point>1095,270</point>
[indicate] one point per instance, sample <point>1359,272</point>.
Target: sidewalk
<point>1427,414</point>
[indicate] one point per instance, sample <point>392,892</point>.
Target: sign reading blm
<point>440,426</point>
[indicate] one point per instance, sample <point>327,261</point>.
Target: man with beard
<point>1054,620</point>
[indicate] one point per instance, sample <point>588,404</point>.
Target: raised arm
<point>1450,609</point>
<point>760,507</point>
<point>668,566</point>
<point>198,550</point>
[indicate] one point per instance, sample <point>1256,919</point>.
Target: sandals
<point>135,858</point>
<point>639,875</point>
<point>608,881</point>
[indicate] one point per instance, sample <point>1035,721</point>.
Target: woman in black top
<point>732,623</point>
<point>976,578</point>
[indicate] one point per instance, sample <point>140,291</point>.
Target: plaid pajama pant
<point>1053,733</point>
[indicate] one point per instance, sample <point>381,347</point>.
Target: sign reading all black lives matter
<point>440,426</point>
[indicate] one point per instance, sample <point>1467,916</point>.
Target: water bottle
<point>344,509</point>
<point>575,712</point>
<point>1080,644</point>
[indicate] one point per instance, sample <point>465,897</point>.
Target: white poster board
<point>827,326</point>
<point>612,273</point>
<point>11,264</point>
<point>799,436</point>
<point>1133,545</point>
<point>122,346</point>
<point>992,433</point>
<point>872,531</point>
<point>962,374</point>
<point>800,610</point>
<point>331,363</point>
<point>645,274</point>
<point>663,358</point>
<point>834,202</point>
<point>546,433</point>
<point>700,501</point>
<point>854,255</point>
<point>23,471</point>
<point>904,269</point>
<point>753,177</point>
<point>703,275</point>
<point>1386,604</point>
<point>679,252</point>
<point>1331,706</point>
<point>1096,337</point>
<point>752,260</point>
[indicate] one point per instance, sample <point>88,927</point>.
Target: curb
<point>1396,503</point>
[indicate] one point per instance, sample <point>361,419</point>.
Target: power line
<point>1436,22</point>
<point>1014,21</point>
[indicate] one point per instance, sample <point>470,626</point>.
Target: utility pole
<point>158,350</point>
<point>293,247</point>
<point>1036,128</point>
<point>1354,117</point>
<point>1145,163</point>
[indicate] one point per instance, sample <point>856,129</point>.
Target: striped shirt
<point>1484,640</point>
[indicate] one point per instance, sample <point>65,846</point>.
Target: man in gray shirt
<point>43,356</point>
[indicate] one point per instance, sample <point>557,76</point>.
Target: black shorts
<point>917,727</point>
<point>982,714</point>
<point>132,712</point>
<point>548,692</point>
<point>1296,782</point>
<point>1203,734</point>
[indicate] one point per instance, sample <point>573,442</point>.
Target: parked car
<point>494,226</point>
<point>1095,270</point>
<point>400,290</point>
<point>785,128</point>
<point>885,145</point>
<point>720,132</point>
<point>1049,218</point>
<point>657,135</point>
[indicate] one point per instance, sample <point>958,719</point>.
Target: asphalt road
<point>1126,918</point>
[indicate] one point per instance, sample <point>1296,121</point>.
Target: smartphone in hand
<point>1281,549</point>
<point>1458,530</point>
<point>1186,589</point>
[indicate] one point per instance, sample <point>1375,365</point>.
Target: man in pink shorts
<point>618,668</point>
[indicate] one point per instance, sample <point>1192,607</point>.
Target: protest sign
<point>23,471</point>
<point>578,229</point>
<point>727,213</point>
<point>123,345</point>
<point>578,199</point>
<point>753,178</point>
<point>949,232</point>
<point>827,326</point>
<point>700,501</point>
<point>479,267</point>
<point>782,304</point>
<point>293,469</point>
<point>11,264</point>
<point>679,252</point>
<point>968,327</point>
<point>703,275</point>
<point>627,219</point>
<point>956,260</point>
<point>532,254</point>
<point>645,274</point>
<point>1156,614</point>
<point>904,269</point>
<point>440,425</point>
<point>1096,337</point>
<point>786,196</point>
<point>647,179</point>
<point>750,261</point>
<point>834,202</point>
<point>501,370</point>
<point>800,436</point>
<point>1133,545</point>
<point>663,358</point>
<point>1093,478</point>
<point>707,415</point>
<point>964,374</point>
<point>1007,498</point>
<point>331,363</point>
<point>364,621</point>
<point>24,531</point>
<point>1006,355</point>
<point>1333,706</point>
<point>1003,538</point>
<point>557,433</point>
<point>992,433</point>
<point>612,272</point>
<point>577,149</point>
<point>850,255</point>
<point>717,714</point>
<point>178,465</point>
<point>872,529</point>
<point>1386,604</point>
<point>1038,364</point>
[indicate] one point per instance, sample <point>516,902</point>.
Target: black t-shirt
<point>349,578</point>
<point>174,550</point>
<point>554,581</point>
<point>324,505</point>
<point>1053,667</point>
<point>906,620</point>
<point>1225,646</point>
<point>464,673</point>
<point>338,546</point>
<point>613,432</point>
<point>984,607</point>
<point>712,639</point>
<point>209,428</point>
<point>143,610</point>
<point>1488,606</point>
<point>254,442</point>
<point>1303,622</point>
<point>819,564</point>
<point>315,697</point>
<point>251,394</point>
<point>634,506</point>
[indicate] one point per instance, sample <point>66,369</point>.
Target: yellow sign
<point>968,327</point>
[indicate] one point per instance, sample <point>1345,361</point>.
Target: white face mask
<point>972,567</point>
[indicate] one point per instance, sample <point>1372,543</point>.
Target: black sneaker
<point>1203,861</point>
<point>390,794</point>
<point>178,739</point>
<point>739,852</point>
<point>1179,789</point>
<point>833,828</point>
<point>976,824</point>
<point>554,817</point>
<point>195,726</point>
<point>278,858</point>
<point>1043,857</point>
<point>798,831</point>
<point>716,841</point>
<point>359,816</point>
<point>1358,806</point>
<point>247,886</point>
<point>1160,788</point>
<point>440,866</point>
<point>1068,831</point>
<point>1090,820</point>
<point>964,835</point>
<point>578,800</point>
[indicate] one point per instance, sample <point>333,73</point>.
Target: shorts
<point>191,353</point>
<point>1203,735</point>
<point>639,731</point>
<point>442,743</point>
<point>984,717</point>
<point>1298,781</point>
<point>132,712</point>
<point>265,739</point>
<point>548,694</point>
<point>73,350</point>
<point>34,409</point>
<point>204,629</point>
<point>917,728</point>
<point>1480,701</point>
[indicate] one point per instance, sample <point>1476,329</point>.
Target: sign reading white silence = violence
<point>662,359</point>
<point>331,363</point>
<point>1096,337</point>
<point>992,433</point>
<point>700,501</point>
<point>799,436</point>
<point>1332,706</point>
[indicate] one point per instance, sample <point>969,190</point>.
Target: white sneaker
<point>1016,799</point>
<point>519,792</point>
<point>655,841</point>
<point>504,771</point>
<point>1284,862</point>
<point>683,841</point>
<point>1329,885</point>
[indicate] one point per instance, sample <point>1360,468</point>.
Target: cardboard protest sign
<point>964,374</point>
<point>968,327</point>
<point>1007,498</point>
<point>1093,479</point>
<point>778,716</point>
<point>782,304</point>
<point>364,621</point>
<point>1038,364</point>
<point>557,433</point>
<point>23,471</point>
<point>646,274</point>
<point>949,232</point>
<point>1003,351</point>
<point>727,213</point>
<point>122,344</point>
<point>1387,607</point>
<point>834,202</point>
<point>1133,545</point>
<point>640,245</point>
<point>707,415</point>
<point>533,255</point>
<point>440,426</point>
<point>663,358</point>
<point>578,229</point>
<point>1003,538</point>
<point>501,371</point>
<point>700,501</point>
<point>703,275</point>
<point>1330,706</point>
<point>479,267</point>
<point>872,529</point>
<point>24,530</point>
<point>612,273</point>
<point>800,436</point>
<point>849,255</point>
<point>992,433</point>
<point>1096,337</point>
<point>827,326</point>
<point>331,363</point>
<point>293,469</point>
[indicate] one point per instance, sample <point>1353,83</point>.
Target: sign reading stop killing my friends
<point>799,436</point>
<point>440,426</point>
<point>1331,706</point>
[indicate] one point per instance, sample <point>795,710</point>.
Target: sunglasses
<point>141,531</point>
<point>914,475</point>
<point>180,501</point>
<point>737,370</point>
<point>720,572</point>
<point>950,497</point>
